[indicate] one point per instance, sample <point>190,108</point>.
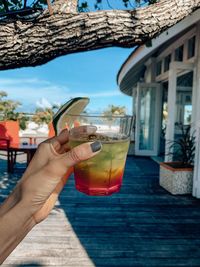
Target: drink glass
<point>102,174</point>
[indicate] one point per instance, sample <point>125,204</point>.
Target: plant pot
<point>177,180</point>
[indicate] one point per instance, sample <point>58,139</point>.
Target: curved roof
<point>133,69</point>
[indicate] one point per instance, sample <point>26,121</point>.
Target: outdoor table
<point>28,149</point>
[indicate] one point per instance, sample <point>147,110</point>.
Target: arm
<point>14,226</point>
<point>36,193</point>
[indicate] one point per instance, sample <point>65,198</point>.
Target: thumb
<point>57,167</point>
<point>82,152</point>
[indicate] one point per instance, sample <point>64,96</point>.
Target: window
<point>179,53</point>
<point>167,61</point>
<point>158,68</point>
<point>191,47</point>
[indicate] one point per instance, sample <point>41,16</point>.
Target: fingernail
<point>96,146</point>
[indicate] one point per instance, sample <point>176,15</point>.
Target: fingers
<point>46,151</point>
<point>57,142</point>
<point>58,167</point>
<point>82,152</point>
<point>61,138</point>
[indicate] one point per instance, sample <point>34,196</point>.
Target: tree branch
<point>35,43</point>
<point>65,6</point>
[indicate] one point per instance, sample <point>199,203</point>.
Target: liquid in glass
<point>102,174</point>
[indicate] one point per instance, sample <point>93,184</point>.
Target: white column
<point>137,116</point>
<point>171,105</point>
<point>132,139</point>
<point>196,177</point>
<point>194,97</point>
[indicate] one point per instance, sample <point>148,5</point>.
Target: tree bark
<point>35,43</point>
<point>65,6</point>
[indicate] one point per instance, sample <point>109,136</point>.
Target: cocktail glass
<point>102,174</point>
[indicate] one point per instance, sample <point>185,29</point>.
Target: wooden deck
<point>142,225</point>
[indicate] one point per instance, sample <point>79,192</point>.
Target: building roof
<point>133,69</point>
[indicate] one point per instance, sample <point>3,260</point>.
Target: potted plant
<point>177,176</point>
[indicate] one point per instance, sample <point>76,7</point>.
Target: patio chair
<point>9,136</point>
<point>10,130</point>
<point>4,146</point>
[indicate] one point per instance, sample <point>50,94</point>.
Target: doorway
<point>148,110</point>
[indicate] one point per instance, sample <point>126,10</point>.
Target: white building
<point>164,81</point>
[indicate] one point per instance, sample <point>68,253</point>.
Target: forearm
<point>14,226</point>
<point>11,201</point>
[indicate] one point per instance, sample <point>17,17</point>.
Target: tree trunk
<point>35,43</point>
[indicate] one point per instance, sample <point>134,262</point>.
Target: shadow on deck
<point>142,225</point>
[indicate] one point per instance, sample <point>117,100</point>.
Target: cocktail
<point>102,174</point>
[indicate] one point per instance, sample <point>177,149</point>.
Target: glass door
<point>148,119</point>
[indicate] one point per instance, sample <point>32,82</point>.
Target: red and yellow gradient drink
<point>102,174</point>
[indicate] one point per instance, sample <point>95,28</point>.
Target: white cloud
<point>43,103</point>
<point>58,104</point>
<point>43,93</point>
<point>6,81</point>
<point>31,90</point>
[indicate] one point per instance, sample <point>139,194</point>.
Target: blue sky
<point>92,74</point>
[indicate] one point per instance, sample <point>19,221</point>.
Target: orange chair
<point>9,138</point>
<point>9,130</point>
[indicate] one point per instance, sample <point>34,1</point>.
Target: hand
<point>48,172</point>
<point>35,195</point>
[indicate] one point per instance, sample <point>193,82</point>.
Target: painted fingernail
<point>96,146</point>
